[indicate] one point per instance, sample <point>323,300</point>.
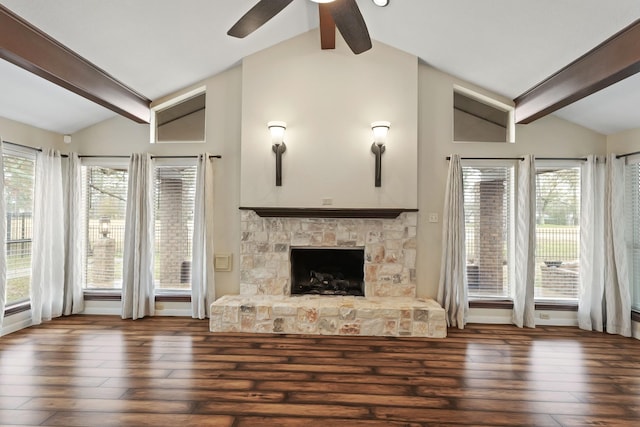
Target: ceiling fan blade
<point>350,22</point>
<point>257,16</point>
<point>327,27</point>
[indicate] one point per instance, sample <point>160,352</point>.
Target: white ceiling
<point>159,46</point>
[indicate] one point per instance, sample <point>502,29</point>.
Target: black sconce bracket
<point>378,150</point>
<point>279,149</point>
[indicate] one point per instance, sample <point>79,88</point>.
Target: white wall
<point>28,135</point>
<point>547,137</point>
<point>329,99</point>
<point>624,142</point>
<point>314,101</point>
<point>120,136</point>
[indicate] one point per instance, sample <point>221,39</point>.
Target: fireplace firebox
<point>327,271</point>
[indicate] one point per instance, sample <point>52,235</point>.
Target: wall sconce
<point>277,139</point>
<point>104,226</point>
<point>380,131</point>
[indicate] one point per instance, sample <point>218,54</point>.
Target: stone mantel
<point>284,212</point>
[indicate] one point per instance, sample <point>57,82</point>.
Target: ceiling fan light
<point>322,1</point>
<point>381,3</point>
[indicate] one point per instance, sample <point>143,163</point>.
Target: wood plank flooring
<point>104,371</point>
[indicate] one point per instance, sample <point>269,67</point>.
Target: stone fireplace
<point>377,297</point>
<point>389,251</point>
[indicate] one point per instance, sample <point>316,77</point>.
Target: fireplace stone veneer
<point>389,307</point>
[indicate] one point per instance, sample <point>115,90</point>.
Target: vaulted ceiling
<point>159,46</point>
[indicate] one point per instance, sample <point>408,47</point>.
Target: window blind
<point>105,195</point>
<point>632,184</point>
<point>174,207</point>
<point>19,174</point>
<point>557,232</point>
<point>488,223</point>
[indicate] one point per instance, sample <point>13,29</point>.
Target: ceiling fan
<point>343,14</point>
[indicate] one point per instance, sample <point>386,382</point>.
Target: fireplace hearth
<point>327,271</point>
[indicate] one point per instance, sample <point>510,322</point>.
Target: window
<point>557,231</point>
<point>19,176</point>
<point>105,195</point>
<point>174,206</point>
<point>632,183</point>
<point>478,118</point>
<point>180,119</point>
<point>488,205</point>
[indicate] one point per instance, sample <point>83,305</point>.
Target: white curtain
<point>617,287</point>
<point>47,258</point>
<point>137,276</point>
<point>73,296</point>
<point>3,243</point>
<point>452,290</point>
<point>202,270</point>
<point>523,299</point>
<point>592,244</point>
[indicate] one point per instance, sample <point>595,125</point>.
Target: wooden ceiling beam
<point>27,47</point>
<point>327,27</point>
<point>610,62</point>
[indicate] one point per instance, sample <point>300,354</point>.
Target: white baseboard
<point>543,317</point>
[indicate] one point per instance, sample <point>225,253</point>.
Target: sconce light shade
<point>277,130</point>
<point>380,130</point>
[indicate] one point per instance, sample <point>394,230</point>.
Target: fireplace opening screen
<point>327,271</point>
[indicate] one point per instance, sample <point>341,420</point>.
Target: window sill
<point>91,295</point>
<point>635,315</point>
<point>173,297</point>
<point>97,295</point>
<point>490,303</point>
<point>17,308</point>
<point>542,305</point>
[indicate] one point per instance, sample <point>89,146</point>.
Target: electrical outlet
<point>433,217</point>
<point>545,316</point>
<point>327,201</point>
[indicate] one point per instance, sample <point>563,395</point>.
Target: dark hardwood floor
<point>103,371</point>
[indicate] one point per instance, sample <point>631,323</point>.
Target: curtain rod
<point>521,158</point>
<point>622,156</point>
<point>29,147</point>
<point>211,156</point>
<point>488,158</point>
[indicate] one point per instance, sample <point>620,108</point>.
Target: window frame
<point>172,162</point>
<point>12,307</point>
<point>512,166</point>
<point>562,164</point>
<point>632,204</point>
<point>91,292</point>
